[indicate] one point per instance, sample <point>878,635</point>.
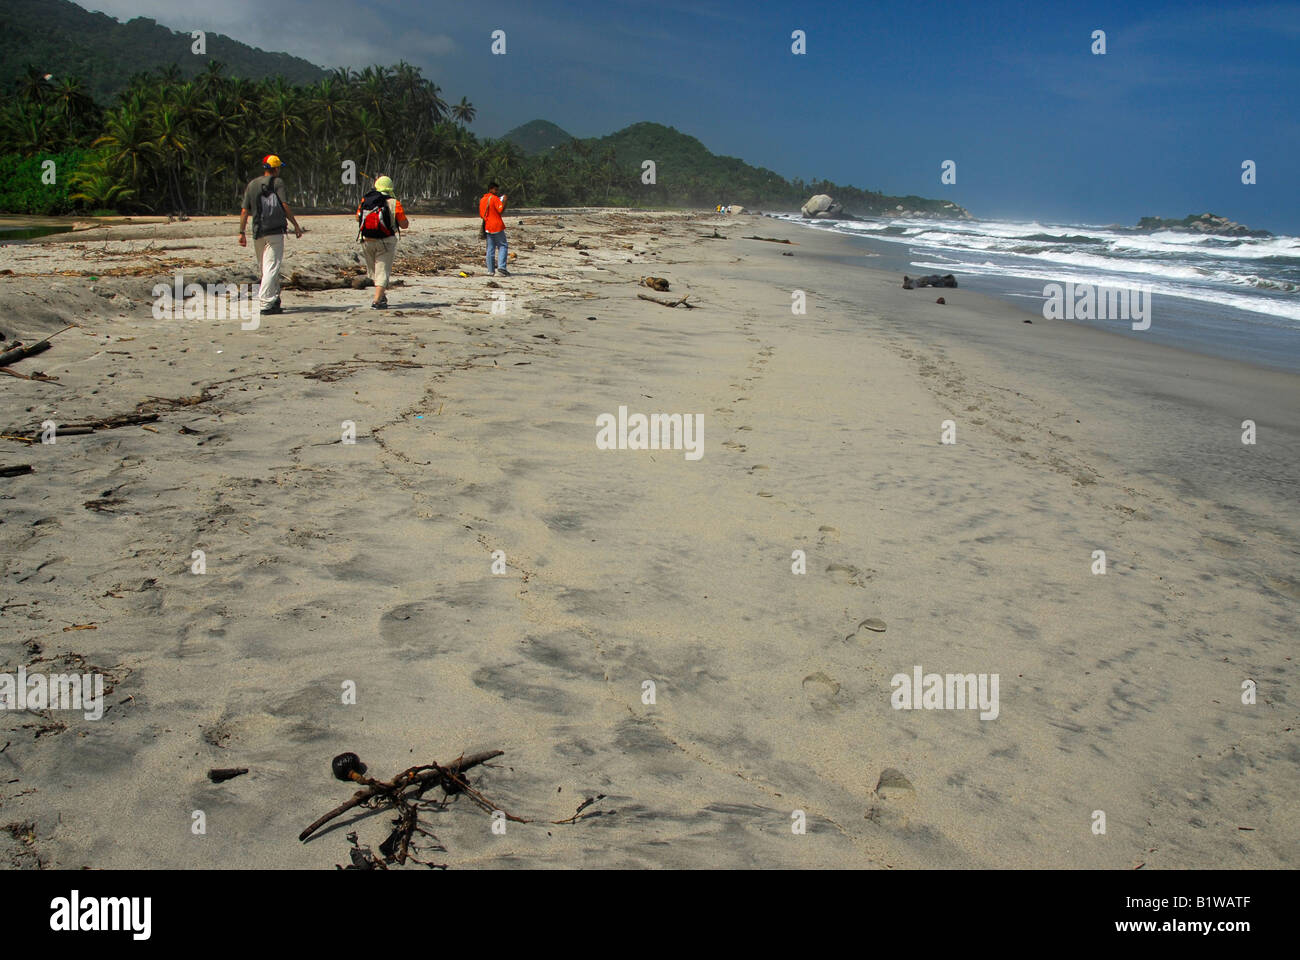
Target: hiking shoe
<point>273,308</point>
<point>378,304</point>
<point>504,272</point>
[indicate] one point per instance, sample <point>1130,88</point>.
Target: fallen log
<point>22,353</point>
<point>655,283</point>
<point>770,240</point>
<point>17,471</point>
<point>668,303</point>
<point>16,351</point>
<point>91,426</point>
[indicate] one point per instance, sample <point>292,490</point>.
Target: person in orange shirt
<point>379,219</point>
<point>490,208</point>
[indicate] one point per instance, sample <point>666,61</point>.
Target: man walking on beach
<point>265,200</point>
<point>490,208</point>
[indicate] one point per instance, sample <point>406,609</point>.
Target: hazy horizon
<point>1039,127</point>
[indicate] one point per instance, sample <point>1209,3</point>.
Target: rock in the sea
<point>1207,223</point>
<point>934,280</point>
<point>816,205</point>
<point>821,207</point>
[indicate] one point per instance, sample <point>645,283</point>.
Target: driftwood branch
<point>404,795</point>
<point>668,303</point>
<point>415,780</point>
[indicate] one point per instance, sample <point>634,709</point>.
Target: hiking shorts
<point>379,259</point>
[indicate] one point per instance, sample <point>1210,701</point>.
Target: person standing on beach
<point>490,208</point>
<point>265,201</point>
<point>380,217</point>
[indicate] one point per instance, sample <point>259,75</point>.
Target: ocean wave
<point>1275,308</point>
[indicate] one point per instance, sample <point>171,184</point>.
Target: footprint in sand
<point>848,574</point>
<point>723,410</point>
<point>1288,588</point>
<point>828,533</point>
<point>1221,547</point>
<point>764,493</point>
<point>896,800</point>
<point>892,783</point>
<point>869,625</point>
<point>820,690</point>
<point>733,445</point>
<point>758,466</point>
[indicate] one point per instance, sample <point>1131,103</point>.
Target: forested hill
<point>688,173</point>
<point>63,39</point>
<point>537,136</point>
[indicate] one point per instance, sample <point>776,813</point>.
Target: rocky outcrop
<point>934,280</point>
<point>1207,223</point>
<point>947,211</point>
<point>821,206</point>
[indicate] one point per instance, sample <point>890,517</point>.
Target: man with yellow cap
<point>265,201</point>
<point>380,218</point>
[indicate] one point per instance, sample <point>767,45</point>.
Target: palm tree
<point>70,99</point>
<point>98,187</point>
<point>34,84</point>
<point>464,112</point>
<point>172,142</point>
<point>129,144</point>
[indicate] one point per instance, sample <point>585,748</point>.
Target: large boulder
<point>820,206</point>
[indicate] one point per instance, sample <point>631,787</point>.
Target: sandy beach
<point>333,567</point>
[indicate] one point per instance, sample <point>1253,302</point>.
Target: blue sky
<point>1037,124</point>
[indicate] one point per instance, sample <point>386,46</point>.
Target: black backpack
<point>270,213</point>
<point>374,219</point>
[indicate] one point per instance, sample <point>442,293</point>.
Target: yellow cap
<point>271,161</point>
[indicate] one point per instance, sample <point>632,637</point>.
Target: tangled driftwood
<point>404,794</point>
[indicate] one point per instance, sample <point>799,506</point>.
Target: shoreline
<point>1200,326</point>
<point>476,432</point>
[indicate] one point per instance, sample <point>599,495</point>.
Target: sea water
<point>1236,297</point>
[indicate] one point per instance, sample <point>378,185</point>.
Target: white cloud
<point>332,33</point>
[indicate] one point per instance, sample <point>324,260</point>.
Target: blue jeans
<point>497,242</point>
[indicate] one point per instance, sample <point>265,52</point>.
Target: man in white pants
<point>265,201</point>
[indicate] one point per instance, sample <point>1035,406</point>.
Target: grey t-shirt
<point>253,204</point>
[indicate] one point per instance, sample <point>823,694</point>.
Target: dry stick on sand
<point>668,303</point>
<point>108,423</point>
<point>770,240</point>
